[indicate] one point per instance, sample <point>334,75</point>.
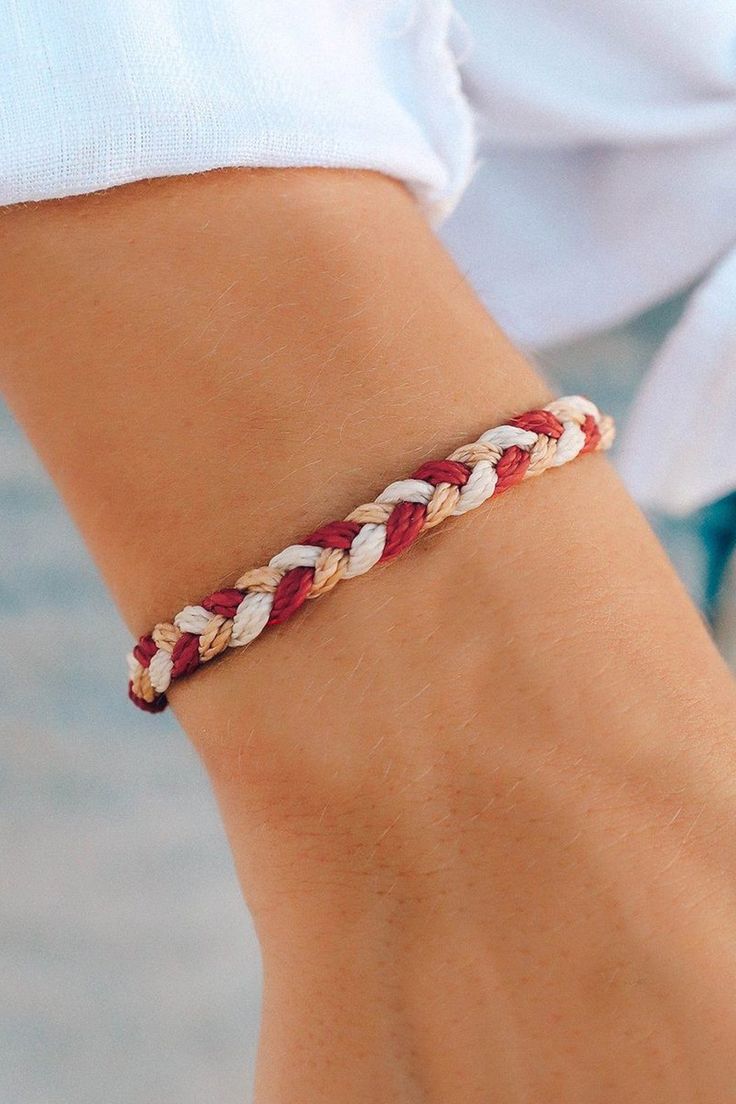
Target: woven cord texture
<point>373,533</point>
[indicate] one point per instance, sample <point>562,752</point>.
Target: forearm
<point>213,367</point>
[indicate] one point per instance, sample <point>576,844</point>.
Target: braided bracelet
<point>371,534</point>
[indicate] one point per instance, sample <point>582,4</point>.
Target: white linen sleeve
<point>97,93</point>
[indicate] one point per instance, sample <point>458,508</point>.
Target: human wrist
<point>439,945</point>
<point>340,362</point>
<point>427,719</point>
<point>524,710</point>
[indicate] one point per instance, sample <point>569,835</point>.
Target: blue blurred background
<point>129,970</point>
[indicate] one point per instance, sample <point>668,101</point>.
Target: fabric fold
<point>104,92</point>
<point>678,451</point>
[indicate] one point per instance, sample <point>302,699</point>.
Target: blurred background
<point>129,970</point>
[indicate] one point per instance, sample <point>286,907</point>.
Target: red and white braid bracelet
<point>371,534</point>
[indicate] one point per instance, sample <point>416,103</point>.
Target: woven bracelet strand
<point>373,533</point>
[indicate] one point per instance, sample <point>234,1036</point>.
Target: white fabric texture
<point>95,93</point>
<point>602,134</point>
<point>690,389</point>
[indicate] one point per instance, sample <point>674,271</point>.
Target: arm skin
<point>481,802</point>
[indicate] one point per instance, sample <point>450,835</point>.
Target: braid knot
<point>372,533</point>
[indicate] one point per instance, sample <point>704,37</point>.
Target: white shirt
<point>586,147</point>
